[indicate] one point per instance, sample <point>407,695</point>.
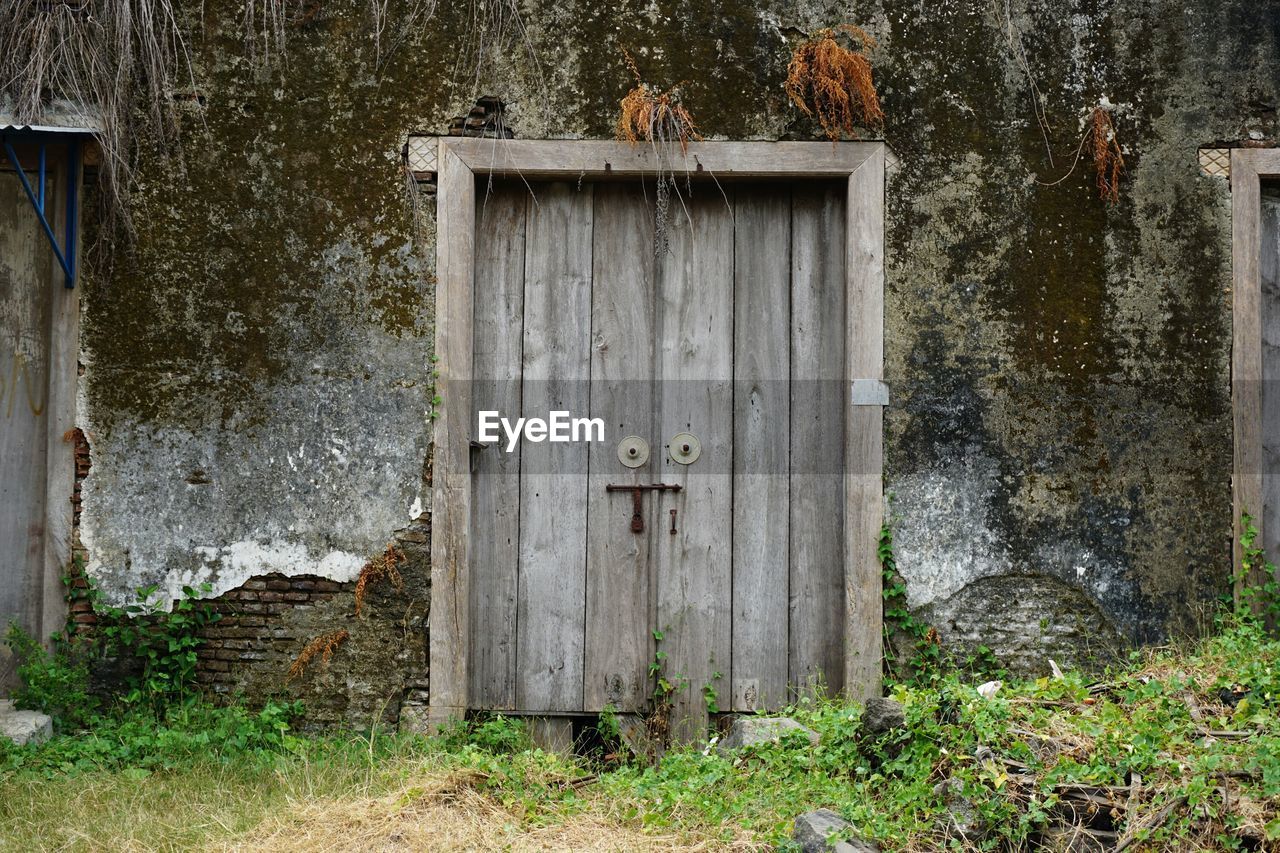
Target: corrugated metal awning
<point>57,117</point>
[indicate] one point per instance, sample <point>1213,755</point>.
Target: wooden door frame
<point>459,161</point>
<point>1249,166</point>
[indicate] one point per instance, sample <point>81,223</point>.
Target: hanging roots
<point>118,60</point>
<point>833,82</point>
<point>660,119</point>
<point>381,567</point>
<point>323,646</point>
<point>1098,141</point>
<point>654,116</point>
<point>1108,160</point>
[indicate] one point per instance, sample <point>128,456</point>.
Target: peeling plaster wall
<point>1058,447</point>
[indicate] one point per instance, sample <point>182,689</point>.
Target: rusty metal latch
<point>637,490</point>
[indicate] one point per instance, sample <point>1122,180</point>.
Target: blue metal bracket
<point>65,254</point>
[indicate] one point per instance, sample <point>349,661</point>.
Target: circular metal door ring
<point>633,451</point>
<point>685,448</point>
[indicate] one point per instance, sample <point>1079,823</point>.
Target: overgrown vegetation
<point>829,77</point>
<point>1108,160</point>
<point>1256,591</point>
<point>1178,749</point>
<point>153,649</point>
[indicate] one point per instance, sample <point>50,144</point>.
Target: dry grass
<point>833,81</point>
<point>380,568</point>
<point>444,811</point>
<point>322,646</point>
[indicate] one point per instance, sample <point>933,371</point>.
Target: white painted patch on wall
<point>950,542</point>
<point>229,566</point>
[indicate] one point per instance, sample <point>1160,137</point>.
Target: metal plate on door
<point>685,448</point>
<point>633,451</point>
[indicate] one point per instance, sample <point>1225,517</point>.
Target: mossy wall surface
<point>1058,447</point>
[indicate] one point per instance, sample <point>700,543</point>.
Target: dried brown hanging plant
<point>833,82</point>
<point>660,119</point>
<point>1108,161</point>
<point>381,567</point>
<point>654,116</point>
<point>1099,139</point>
<point>322,646</point>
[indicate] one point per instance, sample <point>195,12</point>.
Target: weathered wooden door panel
<point>38,357</point>
<point>551,615</point>
<point>761,443</point>
<point>495,515</point>
<point>620,588</point>
<point>817,463</point>
<point>25,267</point>
<point>758,330</point>
<point>694,373</point>
<point>736,334</point>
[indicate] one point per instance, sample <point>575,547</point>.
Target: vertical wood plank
<point>451,485</point>
<point>26,286</point>
<point>551,617</point>
<point>761,442</point>
<point>495,518</point>
<point>1246,354</point>
<point>695,372</point>
<point>618,639</point>
<point>818,405</point>
<point>864,489</point>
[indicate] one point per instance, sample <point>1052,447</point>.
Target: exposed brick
<point>304,584</point>
<point>278,584</point>
<point>271,596</point>
<point>324,585</point>
<point>297,597</point>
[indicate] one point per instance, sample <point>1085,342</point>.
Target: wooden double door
<point>714,343</point>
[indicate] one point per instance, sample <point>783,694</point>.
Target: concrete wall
<point>257,375</point>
